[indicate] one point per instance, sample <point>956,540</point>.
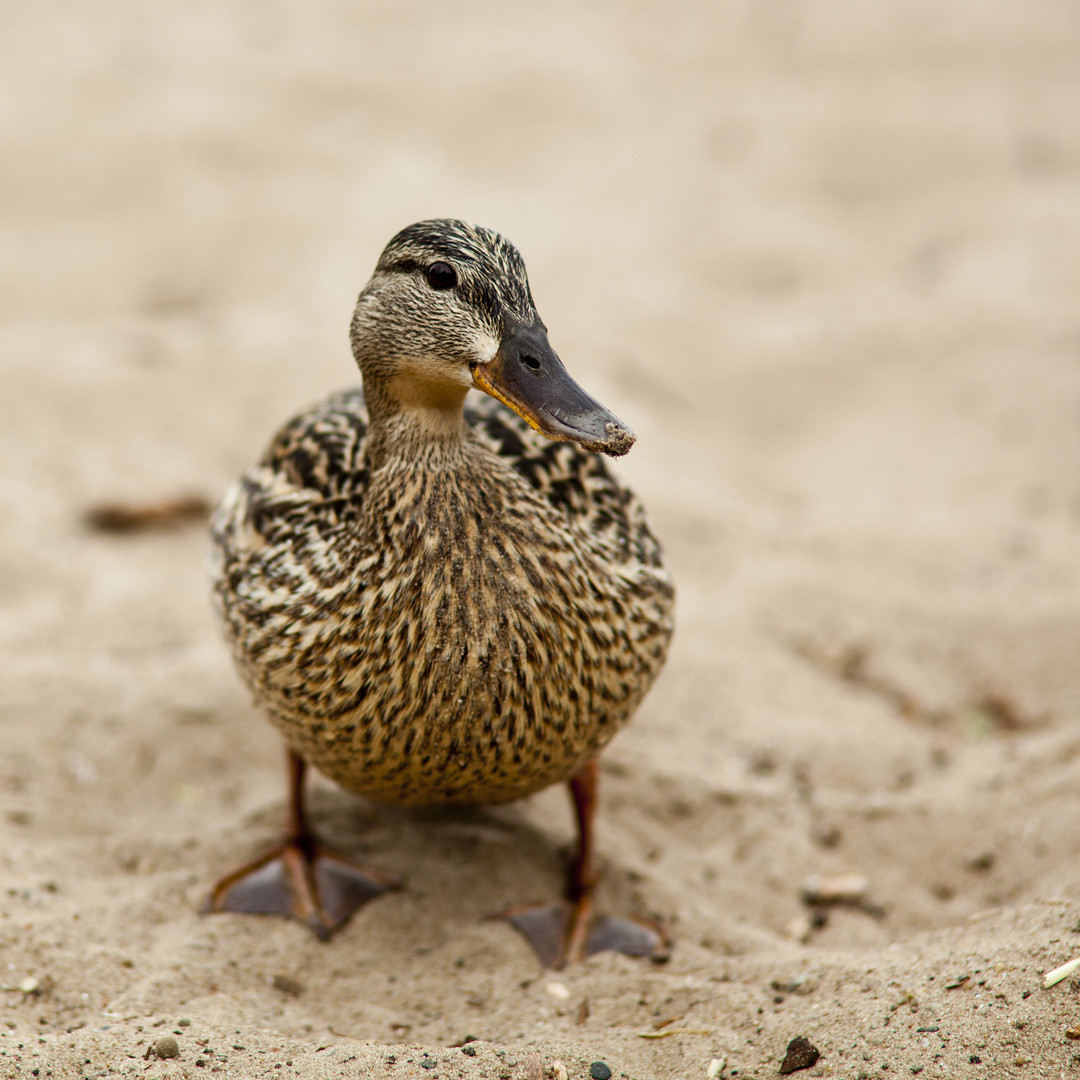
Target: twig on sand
<point>1052,978</point>
<point>128,517</point>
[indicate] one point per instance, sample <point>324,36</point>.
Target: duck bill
<point>527,375</point>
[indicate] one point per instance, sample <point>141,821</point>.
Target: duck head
<point>448,309</point>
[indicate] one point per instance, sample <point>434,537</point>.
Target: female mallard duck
<point>441,602</point>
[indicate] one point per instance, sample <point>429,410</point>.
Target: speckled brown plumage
<point>439,610</point>
<point>469,624</point>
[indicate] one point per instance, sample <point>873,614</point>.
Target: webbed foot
<point>564,933</point>
<point>569,931</point>
<point>302,879</point>
<point>299,877</point>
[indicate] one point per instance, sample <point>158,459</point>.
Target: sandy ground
<point>825,258</point>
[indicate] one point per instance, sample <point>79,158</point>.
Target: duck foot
<point>563,933</point>
<point>567,932</point>
<point>299,877</point>
<point>302,879</point>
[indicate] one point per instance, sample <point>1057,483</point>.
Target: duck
<point>440,597</point>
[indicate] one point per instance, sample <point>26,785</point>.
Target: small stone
<point>799,928</point>
<point>28,985</point>
<point>1072,1033</point>
<point>834,888</point>
<point>558,1071</point>
<point>558,990</point>
<point>183,1023</point>
<point>286,985</point>
<point>167,1047</point>
<point>599,1071</point>
<point>427,1063</point>
<point>801,1054</point>
<point>469,1049</point>
<point>716,1066</point>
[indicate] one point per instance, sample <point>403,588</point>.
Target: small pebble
<point>834,888</point>
<point>286,985</point>
<point>469,1049</point>
<point>167,1047</point>
<point>183,1023</point>
<point>28,985</point>
<point>558,990</point>
<point>801,1054</point>
<point>427,1063</point>
<point>599,1071</point>
<point>715,1068</point>
<point>558,1071</point>
<point>799,928</point>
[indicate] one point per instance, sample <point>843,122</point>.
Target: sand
<point>825,258</point>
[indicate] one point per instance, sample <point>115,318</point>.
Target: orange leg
<point>567,932</point>
<point>299,876</point>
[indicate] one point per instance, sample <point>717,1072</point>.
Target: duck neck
<point>413,418</point>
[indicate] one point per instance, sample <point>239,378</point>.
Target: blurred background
<point>823,256</point>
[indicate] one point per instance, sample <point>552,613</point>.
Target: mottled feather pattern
<point>492,293</point>
<point>494,281</point>
<point>468,622</point>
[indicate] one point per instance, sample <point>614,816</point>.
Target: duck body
<point>468,618</point>
<point>439,600</point>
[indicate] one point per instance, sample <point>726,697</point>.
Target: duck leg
<point>299,876</point>
<point>566,932</point>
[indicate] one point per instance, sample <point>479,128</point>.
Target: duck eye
<point>441,275</point>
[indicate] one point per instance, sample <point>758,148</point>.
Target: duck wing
<point>292,513</point>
